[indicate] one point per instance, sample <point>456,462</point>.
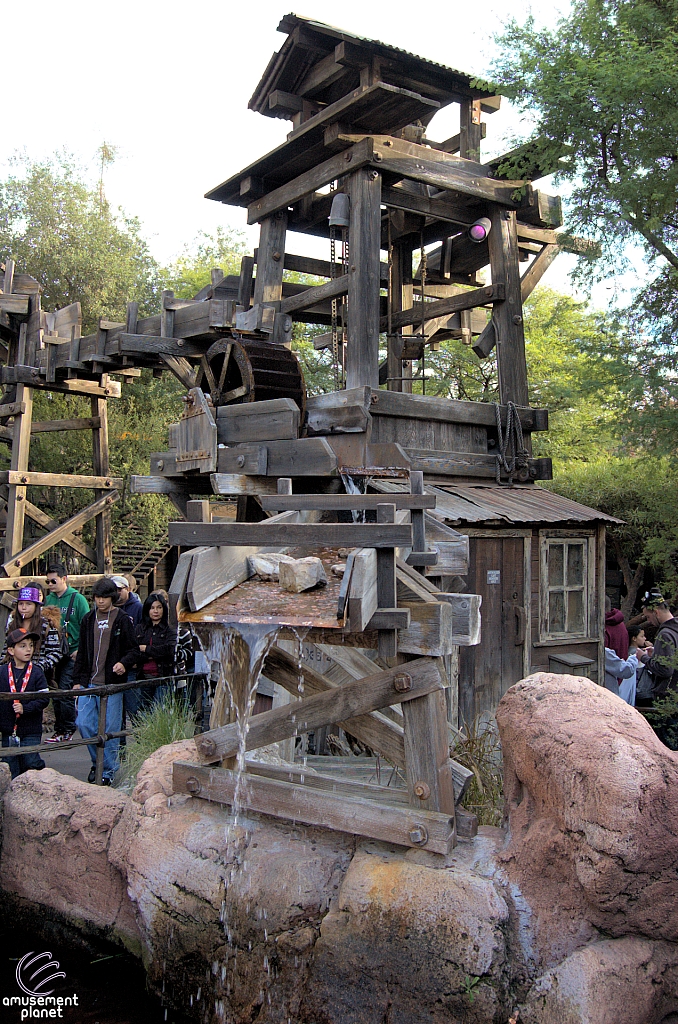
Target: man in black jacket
<point>106,650</point>
<point>662,661</point>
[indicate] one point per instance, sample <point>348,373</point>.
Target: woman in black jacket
<point>157,642</point>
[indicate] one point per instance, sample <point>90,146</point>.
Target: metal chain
<point>422,273</point>
<point>335,334</point>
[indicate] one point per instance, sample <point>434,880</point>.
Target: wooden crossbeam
<point>315,294</point>
<point>370,535</point>
<point>398,823</point>
<point>38,516</point>
<point>443,307</point>
<point>29,479</point>
<point>14,583</point>
<point>14,564</point>
<point>54,426</point>
<point>342,502</point>
<point>418,678</point>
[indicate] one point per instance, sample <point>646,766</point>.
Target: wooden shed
<point>537,559</point>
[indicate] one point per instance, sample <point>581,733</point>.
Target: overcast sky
<point>168,85</point>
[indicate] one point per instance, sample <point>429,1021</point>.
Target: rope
<point>512,454</point>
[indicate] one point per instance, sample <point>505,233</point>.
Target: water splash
<point>353,485</point>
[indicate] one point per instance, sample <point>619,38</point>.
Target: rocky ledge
<point>569,916</point>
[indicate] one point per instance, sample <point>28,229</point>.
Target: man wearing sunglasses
<point>73,607</point>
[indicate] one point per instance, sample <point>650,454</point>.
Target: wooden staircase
<point>136,558</point>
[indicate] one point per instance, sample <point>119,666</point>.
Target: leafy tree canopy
<point>190,271</point>
<point>64,233</point>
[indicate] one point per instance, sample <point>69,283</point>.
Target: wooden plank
<point>336,705</point>
<point>405,826</point>
<point>448,410</point>
<point>30,479</point>
<point>311,180</point>
<point>16,500</point>
<point>79,581</point>
<point>508,316</point>
<point>443,307</point>
<point>339,412</point>
<point>277,419</point>
<point>431,631</point>
<point>258,318</point>
<point>387,596</point>
<point>362,351</point>
<point>473,465</point>
<point>245,282</point>
<point>17,304</point>
<point>315,294</point>
<point>50,426</point>
<point>429,779</point>
<point>14,563</point>
<point>235,483</point>
<point>33,377</point>
<point>250,459</point>
<point>344,502</point>
<point>375,730</point>
<point>309,535</point>
<point>144,345</point>
<point>362,600</point>
<point>268,282</point>
<point>38,516</point>
<point>448,208</point>
<point>165,485</point>
<point>306,456</point>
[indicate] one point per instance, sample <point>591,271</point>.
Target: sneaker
<point>106,782</point>
<point>56,738</point>
<point>67,736</point>
<point>92,774</point>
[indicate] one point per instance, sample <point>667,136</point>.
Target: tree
<point>191,270</point>
<point>63,232</point>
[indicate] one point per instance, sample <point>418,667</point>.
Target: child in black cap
<point>21,721</point>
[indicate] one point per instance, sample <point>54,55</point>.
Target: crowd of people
<point>637,670</point>
<point>56,642</point>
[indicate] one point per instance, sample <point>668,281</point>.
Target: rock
<point>632,980</point>
<point>265,566</point>
<point>339,569</point>
<point>55,852</point>
<point>405,942</point>
<point>299,574</point>
<point>592,797</point>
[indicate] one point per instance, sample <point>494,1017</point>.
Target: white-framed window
<point>566,560</point>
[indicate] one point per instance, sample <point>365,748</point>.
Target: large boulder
<point>592,801</point>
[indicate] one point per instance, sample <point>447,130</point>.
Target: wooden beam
<point>375,730</point>
<point>362,350</point>
<point>336,502</point>
<point>446,208</point>
<point>427,748</point>
<point>17,304</point>
<point>443,307</point>
<point>14,583</point>
<point>536,270</point>
<point>38,516</point>
<point>315,294</point>
<point>405,826</point>
<point>508,315</point>
<point>268,282</point>
<point>144,346</point>
<point>47,426</point>
<point>449,410</point>
<point>310,181</point>
<point>339,704</point>
<point>370,535</point>
<point>34,378</point>
<point>14,563</point>
<point>29,479</point>
<point>236,483</point>
<point>14,530</point>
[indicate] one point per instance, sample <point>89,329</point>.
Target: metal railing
<point>88,691</point>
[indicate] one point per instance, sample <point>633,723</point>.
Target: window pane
<point>575,611</point>
<point>556,611</point>
<point>575,565</point>
<point>556,552</point>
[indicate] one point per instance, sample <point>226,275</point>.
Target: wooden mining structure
<point>410,223</point>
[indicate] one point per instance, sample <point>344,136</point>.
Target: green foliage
<point>663,717</point>
<point>64,233</point>
<point>168,720</point>
<point>190,272</point>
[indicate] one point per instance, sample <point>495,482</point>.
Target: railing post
<point>101,730</point>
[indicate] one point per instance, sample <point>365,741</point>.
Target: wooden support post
<point>387,595</point>
<point>417,516</point>
<point>101,729</point>
<point>470,130</point>
<point>245,282</point>
<point>16,499</point>
<point>167,316</point>
<point>399,370</point>
<point>508,315</point>
<point>284,485</point>
<point>270,259</point>
<point>33,331</point>
<point>100,462</point>
<point>198,511</point>
<point>362,356</point>
<point>427,746</point>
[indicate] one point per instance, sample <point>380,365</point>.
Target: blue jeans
<point>88,724</point>
<point>21,764</point>
<point>64,710</point>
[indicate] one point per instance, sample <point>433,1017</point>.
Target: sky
<point>168,85</point>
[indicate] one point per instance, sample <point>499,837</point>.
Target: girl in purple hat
<point>31,615</point>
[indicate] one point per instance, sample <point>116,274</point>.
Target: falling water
<point>355,486</point>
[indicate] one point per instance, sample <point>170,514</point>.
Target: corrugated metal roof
<point>290,21</point>
<point>481,503</point>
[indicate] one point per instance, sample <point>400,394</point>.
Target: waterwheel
<point>250,371</point>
